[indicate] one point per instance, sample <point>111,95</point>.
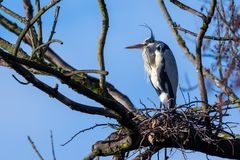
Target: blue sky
<point>27,111</point>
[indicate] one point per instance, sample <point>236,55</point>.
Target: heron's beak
<point>135,46</point>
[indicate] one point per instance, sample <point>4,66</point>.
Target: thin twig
<point>23,83</point>
<point>181,90</point>
<point>206,37</point>
<point>226,23</point>
<point>85,71</point>
<point>189,9</point>
<point>32,21</point>
<point>52,144</point>
<point>46,44</point>
<point>53,27</point>
<point>39,23</point>
<point>102,39</point>
<point>35,148</point>
<point>84,130</point>
<point>10,48</point>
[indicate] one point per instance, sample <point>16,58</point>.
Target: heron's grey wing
<point>171,69</point>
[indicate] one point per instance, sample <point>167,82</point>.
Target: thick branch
<point>28,9</point>
<point>225,148</point>
<point>126,117</point>
<point>53,92</point>
<point>206,37</point>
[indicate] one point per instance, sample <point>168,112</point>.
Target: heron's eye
<point>149,40</point>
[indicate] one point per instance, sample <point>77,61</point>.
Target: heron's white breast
<point>154,78</point>
<point>152,63</point>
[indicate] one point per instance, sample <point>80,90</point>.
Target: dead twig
<point>85,71</point>
<point>32,21</point>
<point>46,45</point>
<point>35,148</point>
<point>23,83</point>
<point>206,37</point>
<point>84,130</point>
<point>52,144</point>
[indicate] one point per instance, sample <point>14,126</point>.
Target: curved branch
<point>102,39</point>
<point>198,64</point>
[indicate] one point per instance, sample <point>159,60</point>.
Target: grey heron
<point>161,67</point>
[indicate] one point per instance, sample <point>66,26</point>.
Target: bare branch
<point>46,44</point>
<point>35,148</point>
<point>32,21</point>
<point>52,144</point>
<point>102,40</point>
<point>85,71</point>
<point>51,56</point>
<point>52,91</point>
<point>126,117</point>
<point>198,66</point>
<point>13,14</point>
<point>226,23</point>
<point>84,130</point>
<point>9,25</point>
<point>39,23</point>
<point>28,9</point>
<point>10,48</point>
<point>53,28</point>
<point>189,9</point>
<point>206,37</point>
<point>23,83</point>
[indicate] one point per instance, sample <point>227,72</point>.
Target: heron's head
<point>146,42</point>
